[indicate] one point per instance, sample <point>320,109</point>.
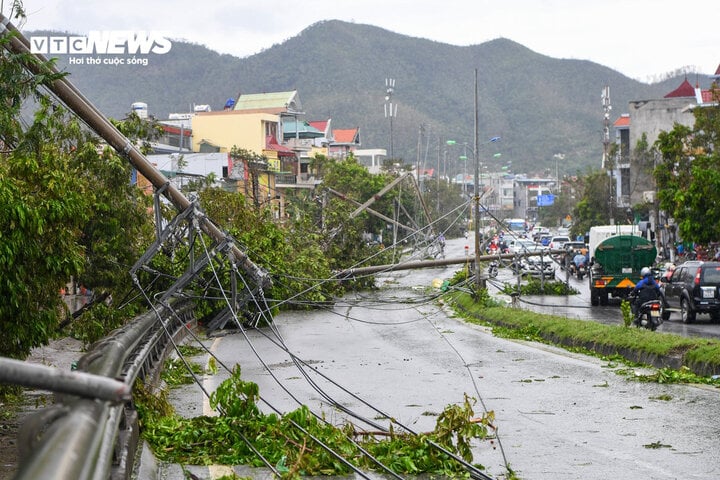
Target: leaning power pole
<point>77,103</point>
<point>480,282</point>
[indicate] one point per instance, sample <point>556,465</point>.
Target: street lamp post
<point>464,158</point>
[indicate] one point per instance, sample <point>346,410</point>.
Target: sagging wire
<point>206,393</point>
<point>471,468</point>
<point>151,304</point>
<point>272,374</point>
<point>271,323</point>
<point>472,379</point>
<point>281,344</point>
<point>319,282</point>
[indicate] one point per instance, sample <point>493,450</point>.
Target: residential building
<point>632,184</point>
<point>344,142</point>
<point>525,195</point>
<point>633,180</point>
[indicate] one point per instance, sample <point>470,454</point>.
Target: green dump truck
<point>616,257</point>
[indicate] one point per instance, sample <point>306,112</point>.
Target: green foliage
<point>44,208</point>
<point>593,191</point>
<point>68,212</point>
<point>342,240</point>
<point>626,309</point>
<point>96,322</point>
<point>292,255</point>
<point>175,372</point>
<point>533,286</point>
<point>222,439</point>
<point>670,375</point>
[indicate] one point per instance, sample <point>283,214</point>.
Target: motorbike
<point>493,269</point>
<point>648,312</point>
<point>581,271</point>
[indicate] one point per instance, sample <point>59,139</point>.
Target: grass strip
<point>700,355</point>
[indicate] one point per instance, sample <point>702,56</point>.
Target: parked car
<point>693,289</point>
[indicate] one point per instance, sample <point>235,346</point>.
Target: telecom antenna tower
<point>390,109</point>
<point>606,124</point>
<point>606,163</point>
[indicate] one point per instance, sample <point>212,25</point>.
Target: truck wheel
<point>594,298</point>
<point>686,313</point>
<point>604,298</point>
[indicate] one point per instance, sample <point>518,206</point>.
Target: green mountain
<point>539,105</point>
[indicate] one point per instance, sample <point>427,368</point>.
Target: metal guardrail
<point>90,438</point>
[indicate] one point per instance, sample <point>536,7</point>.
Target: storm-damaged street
<point>559,415</point>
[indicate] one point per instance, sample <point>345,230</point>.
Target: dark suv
<point>693,289</point>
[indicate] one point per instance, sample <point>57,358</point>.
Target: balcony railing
<point>285,178</point>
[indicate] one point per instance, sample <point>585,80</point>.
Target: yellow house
<point>230,128</point>
<point>253,123</point>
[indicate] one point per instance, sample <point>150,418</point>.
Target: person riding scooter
<point>646,289</point>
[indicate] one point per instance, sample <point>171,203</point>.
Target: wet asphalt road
<point>578,306</point>
<point>559,415</point>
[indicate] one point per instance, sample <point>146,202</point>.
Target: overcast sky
<point>640,38</point>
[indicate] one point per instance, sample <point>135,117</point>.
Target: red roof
<point>187,132</point>
<point>684,90</point>
<point>345,136</point>
<point>717,72</point>
<point>319,124</point>
<point>272,144</point>
<point>623,121</point>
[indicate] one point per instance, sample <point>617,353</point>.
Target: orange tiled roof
<point>345,136</point>
<point>623,121</point>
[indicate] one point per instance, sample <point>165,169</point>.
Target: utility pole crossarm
<point>378,195</point>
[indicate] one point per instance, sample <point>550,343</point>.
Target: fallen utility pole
<point>76,102</point>
<point>436,263</point>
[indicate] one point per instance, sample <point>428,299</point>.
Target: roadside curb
<point>675,361</point>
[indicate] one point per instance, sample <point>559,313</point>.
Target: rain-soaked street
<point>559,415</point>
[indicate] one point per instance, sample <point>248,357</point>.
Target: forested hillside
<point>540,106</point>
